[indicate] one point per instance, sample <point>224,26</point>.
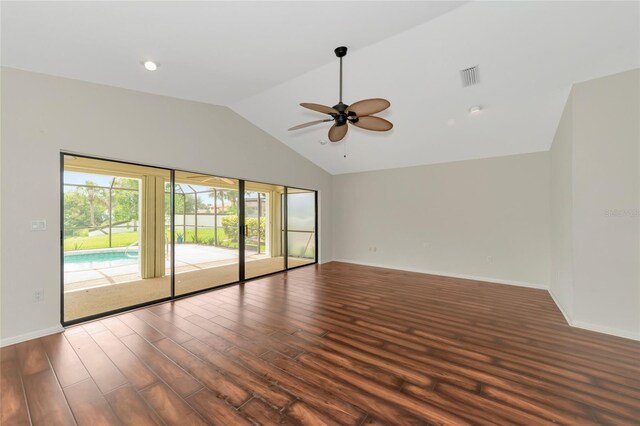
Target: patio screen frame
<point>173,296</point>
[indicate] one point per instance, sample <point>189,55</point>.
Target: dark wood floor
<point>330,344</point>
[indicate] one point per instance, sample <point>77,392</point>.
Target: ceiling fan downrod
<point>341,52</point>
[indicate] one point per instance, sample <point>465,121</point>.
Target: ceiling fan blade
<point>369,106</point>
<point>336,133</point>
<point>311,123</point>
<point>320,108</point>
<point>373,123</point>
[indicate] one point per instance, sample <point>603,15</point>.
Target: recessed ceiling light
<point>150,65</point>
<point>475,109</point>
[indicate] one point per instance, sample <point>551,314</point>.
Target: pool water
<point>105,256</point>
<point>99,259</point>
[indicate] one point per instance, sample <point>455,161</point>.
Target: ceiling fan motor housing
<point>344,117</point>
<point>341,117</point>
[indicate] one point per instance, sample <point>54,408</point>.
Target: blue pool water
<point>75,261</point>
<point>106,256</point>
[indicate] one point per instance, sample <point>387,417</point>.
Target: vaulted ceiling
<point>263,58</point>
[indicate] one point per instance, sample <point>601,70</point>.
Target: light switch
<point>38,225</point>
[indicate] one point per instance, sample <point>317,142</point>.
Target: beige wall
<point>561,221</point>
<point>42,115</point>
<point>598,140</point>
<point>606,181</point>
<point>487,219</point>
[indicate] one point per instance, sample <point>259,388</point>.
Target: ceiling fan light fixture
<point>475,110</point>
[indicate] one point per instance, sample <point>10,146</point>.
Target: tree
<point>232,197</point>
<point>221,197</point>
<point>125,203</point>
<point>76,214</point>
<point>96,199</point>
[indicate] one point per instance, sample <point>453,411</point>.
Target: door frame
<point>241,237</point>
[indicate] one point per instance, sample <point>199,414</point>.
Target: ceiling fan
<point>360,113</point>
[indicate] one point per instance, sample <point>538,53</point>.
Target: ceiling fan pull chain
<point>345,149</point>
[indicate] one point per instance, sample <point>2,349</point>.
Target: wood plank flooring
<point>333,344</point>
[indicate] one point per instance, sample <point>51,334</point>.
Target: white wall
<point>542,219</point>
<point>598,140</point>
<point>487,219</point>
<point>42,115</point>
<point>606,182</point>
<point>561,221</point>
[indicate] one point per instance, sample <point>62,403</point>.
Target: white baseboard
<point>594,327</point>
<point>32,335</point>
<point>606,330</point>
<point>566,316</point>
<point>449,274</point>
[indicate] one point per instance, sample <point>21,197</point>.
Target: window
<point>134,235</point>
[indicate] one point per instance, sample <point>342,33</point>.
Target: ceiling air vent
<point>469,76</point>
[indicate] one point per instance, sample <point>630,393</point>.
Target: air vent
<point>469,76</point>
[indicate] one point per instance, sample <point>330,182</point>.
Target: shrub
<point>230,227</point>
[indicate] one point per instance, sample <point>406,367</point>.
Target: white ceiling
<point>529,54</point>
<point>214,52</point>
<point>263,58</point>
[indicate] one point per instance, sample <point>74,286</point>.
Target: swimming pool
<point>98,259</point>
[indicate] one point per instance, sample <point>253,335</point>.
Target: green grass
<point>100,241</point>
<point>126,238</point>
<point>205,235</point>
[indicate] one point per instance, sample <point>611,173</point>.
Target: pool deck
<point>188,257</point>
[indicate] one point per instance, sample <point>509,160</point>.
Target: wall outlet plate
<point>39,225</point>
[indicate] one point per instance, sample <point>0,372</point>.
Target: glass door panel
<point>206,231</point>
<point>115,252</point>
<point>301,229</point>
<point>119,250</point>
<point>263,229</point>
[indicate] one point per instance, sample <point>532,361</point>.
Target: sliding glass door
<point>134,235</point>
<point>301,229</point>
<point>206,231</point>
<point>115,251</point>
<point>263,250</point>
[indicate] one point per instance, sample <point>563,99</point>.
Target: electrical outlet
<point>38,295</point>
<point>39,225</point>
